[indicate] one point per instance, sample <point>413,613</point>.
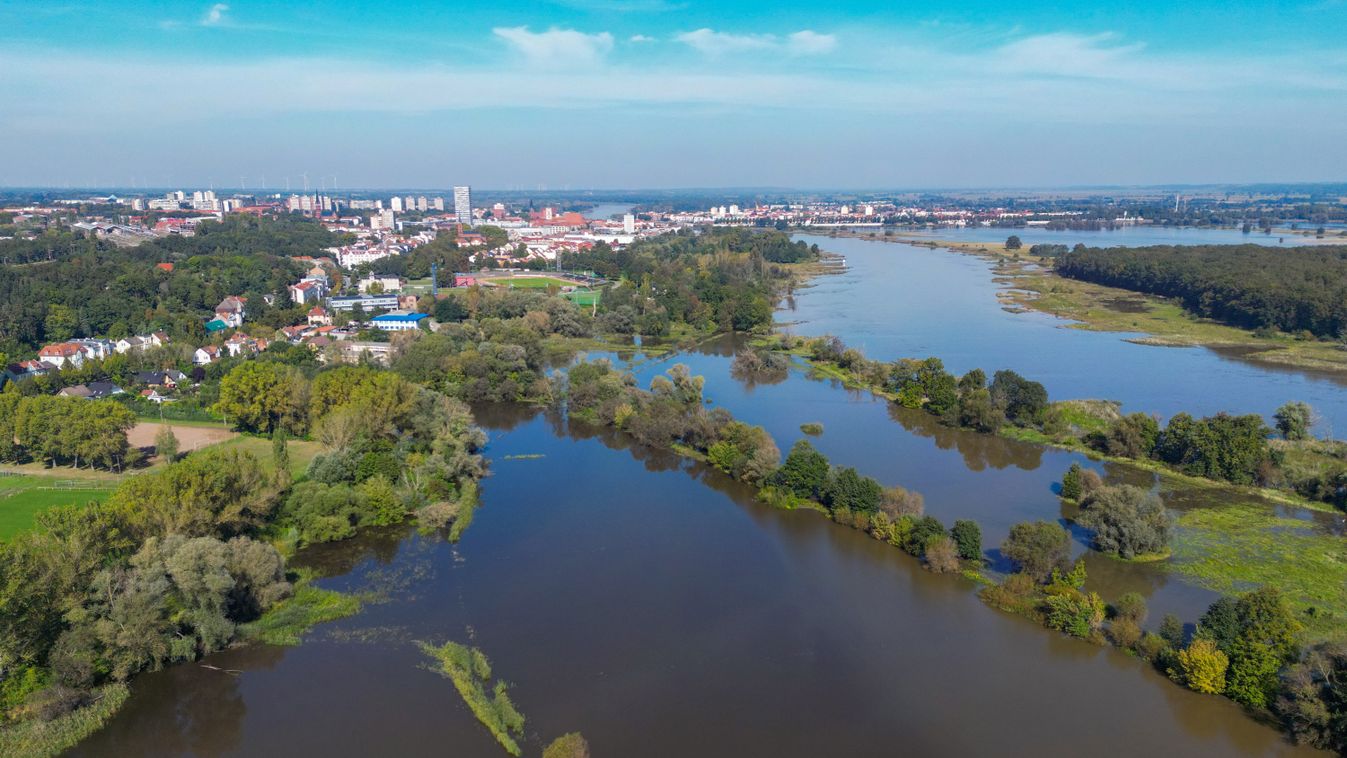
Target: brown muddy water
<point>656,607</point>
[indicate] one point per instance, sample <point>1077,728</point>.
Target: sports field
<point>23,497</point>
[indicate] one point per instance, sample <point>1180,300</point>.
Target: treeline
<point>672,416</point>
<point>717,279</point>
<point>180,561</point>
<point>1293,290</point>
<point>73,286</point>
<point>1223,447</point>
<point>65,430</point>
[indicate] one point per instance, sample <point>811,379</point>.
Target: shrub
<point>1127,521</point>
<point>1037,547</point>
<point>1151,646</point>
<point>1125,633</point>
<point>1294,421</point>
<point>1202,666</point>
<point>896,502</point>
<point>1131,606</point>
<point>941,555</point>
<point>571,745</point>
<point>1075,613</point>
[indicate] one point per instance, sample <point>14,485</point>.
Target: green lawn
<point>302,452</point>
<point>586,298</point>
<point>528,282</point>
<point>23,497</point>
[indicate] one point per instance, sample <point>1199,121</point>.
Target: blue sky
<point>672,93</point>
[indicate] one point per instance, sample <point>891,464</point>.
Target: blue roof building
<point>398,322</point>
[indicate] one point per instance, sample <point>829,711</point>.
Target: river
<point>605,211</point>
<point>897,300</point>
<point>653,605</point>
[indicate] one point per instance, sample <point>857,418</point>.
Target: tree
<point>804,472</point>
<point>449,309</point>
<point>1294,420</point>
<point>1202,666</point>
<point>1313,700</point>
<point>896,502</point>
<point>1127,521</point>
<point>261,396</point>
<point>1038,547</point>
<point>968,537</point>
<point>166,443</point>
<point>1022,400</point>
<point>1013,242</point>
<point>1171,631</point>
<point>848,489</point>
<point>61,323</point>
<point>1071,483</point>
<point>1131,606</point>
<point>1258,632</point>
<point>1232,448</point>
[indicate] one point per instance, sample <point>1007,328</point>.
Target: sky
<point>671,93</point>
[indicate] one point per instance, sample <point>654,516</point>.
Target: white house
<point>206,354</point>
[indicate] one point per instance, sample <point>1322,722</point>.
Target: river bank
<point>1028,283</point>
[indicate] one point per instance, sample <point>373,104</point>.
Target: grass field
<point>527,282</point>
<point>302,452</point>
<point>586,298</point>
<point>23,497</point>
<point>36,488</point>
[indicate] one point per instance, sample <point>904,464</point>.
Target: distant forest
<point>1301,289</point>
<point>62,284</point>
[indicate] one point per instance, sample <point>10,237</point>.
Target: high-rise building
<point>463,204</point>
<point>397,204</point>
<point>439,203</point>
<point>421,204</point>
<point>629,224</point>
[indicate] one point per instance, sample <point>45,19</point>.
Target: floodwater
<point>897,300</point>
<point>654,606</point>
<point>605,211</point>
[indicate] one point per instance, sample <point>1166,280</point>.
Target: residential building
<point>308,291</point>
<point>231,311</point>
<point>62,354</point>
<point>92,390</point>
<point>206,354</point>
<point>463,204</point>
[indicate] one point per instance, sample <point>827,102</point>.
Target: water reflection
<point>979,451</point>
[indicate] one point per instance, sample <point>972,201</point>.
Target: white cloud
<point>809,42</point>
<point>216,15</point>
<point>714,44</point>
<point>556,45</point>
<point>711,42</point>
<point>640,38</point>
<point>1095,56</point>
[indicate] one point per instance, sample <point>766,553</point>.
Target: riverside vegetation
<point>189,558</point>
